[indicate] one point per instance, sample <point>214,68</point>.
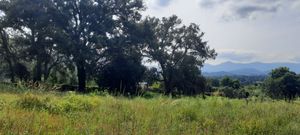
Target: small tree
<point>231,88</point>
<point>214,82</point>
<point>282,84</point>
<point>228,82</point>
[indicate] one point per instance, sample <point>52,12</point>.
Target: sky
<point>241,31</point>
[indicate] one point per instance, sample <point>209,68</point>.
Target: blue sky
<point>241,30</point>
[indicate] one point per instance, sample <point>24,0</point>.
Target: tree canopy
<point>180,52</point>
<point>283,84</point>
<point>106,41</point>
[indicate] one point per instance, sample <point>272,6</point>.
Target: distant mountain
<point>248,69</point>
<point>221,73</point>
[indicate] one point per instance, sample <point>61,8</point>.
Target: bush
<point>234,93</point>
<point>229,92</point>
<point>70,103</point>
<point>149,95</point>
<point>76,103</point>
<point>29,101</point>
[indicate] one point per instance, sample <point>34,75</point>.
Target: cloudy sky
<point>241,30</point>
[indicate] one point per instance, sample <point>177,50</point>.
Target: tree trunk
<point>46,74</point>
<point>46,70</point>
<point>166,80</point>
<point>168,88</point>
<point>81,76</point>
<point>12,71</point>
<point>38,71</point>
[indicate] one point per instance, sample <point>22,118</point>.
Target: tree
<point>5,51</point>
<point>10,52</point>
<point>188,79</point>
<point>228,82</point>
<point>89,24</point>
<point>282,84</point>
<point>177,48</point>
<point>122,69</point>
<point>232,88</point>
<point>34,21</point>
<point>214,82</point>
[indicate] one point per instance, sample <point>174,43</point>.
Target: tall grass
<point>71,113</point>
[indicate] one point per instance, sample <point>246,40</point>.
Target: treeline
<point>243,79</point>
<point>281,83</point>
<point>75,41</point>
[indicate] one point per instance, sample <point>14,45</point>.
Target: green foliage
<point>232,88</point>
<point>228,82</point>
<point>70,103</point>
<point>75,41</point>
<point>255,91</point>
<point>151,76</point>
<point>283,84</point>
<point>29,101</point>
<point>149,95</point>
<point>180,51</point>
<point>61,34</point>
<point>234,93</point>
<point>70,113</point>
<point>214,82</point>
<point>122,76</point>
<point>60,75</point>
<point>73,103</point>
<point>244,80</point>
<point>156,86</point>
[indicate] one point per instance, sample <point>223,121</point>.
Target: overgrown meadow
<point>38,112</point>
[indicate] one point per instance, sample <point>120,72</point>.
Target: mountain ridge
<point>248,69</point>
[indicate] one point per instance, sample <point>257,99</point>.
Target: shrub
<point>229,92</point>
<point>29,101</point>
<point>234,93</point>
<point>149,95</point>
<point>70,103</point>
<point>77,103</point>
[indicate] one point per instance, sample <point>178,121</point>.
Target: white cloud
<point>296,5</point>
<point>248,9</point>
<point>158,4</point>
<point>267,29</point>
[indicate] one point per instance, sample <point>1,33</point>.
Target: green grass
<point>32,112</point>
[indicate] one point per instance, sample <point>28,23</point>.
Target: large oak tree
<point>89,25</point>
<point>180,52</point>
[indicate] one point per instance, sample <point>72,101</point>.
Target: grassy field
<point>38,112</point>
